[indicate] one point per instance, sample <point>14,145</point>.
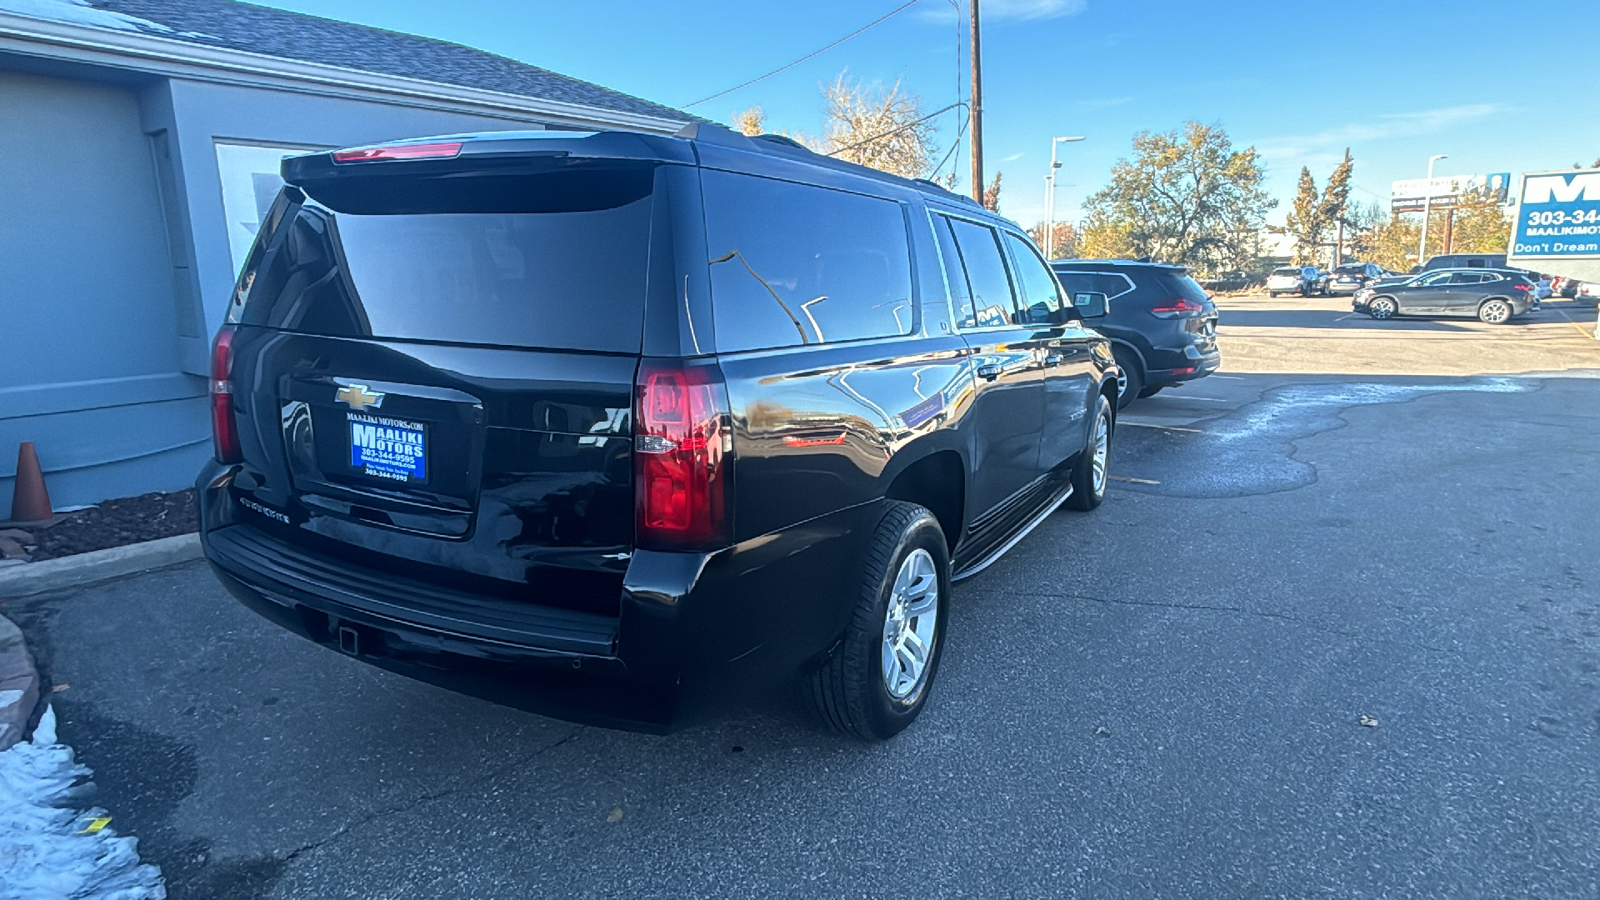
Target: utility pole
<point>1449,229</point>
<point>976,112</point>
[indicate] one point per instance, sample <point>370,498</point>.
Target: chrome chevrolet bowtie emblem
<point>357,397</point>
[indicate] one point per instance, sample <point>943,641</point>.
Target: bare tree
<point>750,122</point>
<point>882,128</point>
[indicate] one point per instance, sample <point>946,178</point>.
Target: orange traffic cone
<point>30,502</point>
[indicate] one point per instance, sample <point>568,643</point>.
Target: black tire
<point>1272,294</point>
<point>1087,495</point>
<point>1152,391</point>
<point>1132,375</point>
<point>1494,311</point>
<point>1382,308</point>
<point>848,689</point>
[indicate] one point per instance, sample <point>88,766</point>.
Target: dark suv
<point>611,426</point>
<point>1162,324</point>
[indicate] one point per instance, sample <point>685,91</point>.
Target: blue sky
<point>1499,87</point>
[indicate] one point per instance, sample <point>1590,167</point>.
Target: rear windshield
<point>1350,270</point>
<point>1287,270</point>
<point>1181,284</point>
<point>548,261</point>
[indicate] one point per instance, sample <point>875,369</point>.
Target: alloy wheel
<point>1102,445</point>
<point>908,627</point>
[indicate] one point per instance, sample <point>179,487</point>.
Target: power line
<point>879,137</point>
<point>899,9</point>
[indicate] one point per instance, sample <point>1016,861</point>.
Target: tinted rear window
<point>1288,270</point>
<point>547,261</point>
<point>796,264</point>
<point>1180,284</point>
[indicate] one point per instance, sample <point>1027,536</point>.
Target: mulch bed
<point>116,523</point>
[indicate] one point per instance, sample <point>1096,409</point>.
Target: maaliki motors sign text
<point>1559,215</point>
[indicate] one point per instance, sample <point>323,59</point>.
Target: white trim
<point>142,52</point>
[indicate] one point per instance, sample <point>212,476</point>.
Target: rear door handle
<point>1054,358</point>
<point>989,372</point>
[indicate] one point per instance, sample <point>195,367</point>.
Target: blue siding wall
<point>116,267</point>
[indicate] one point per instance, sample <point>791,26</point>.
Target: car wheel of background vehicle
<point>1151,391</point>
<point>1494,312</point>
<point>878,678</point>
<point>1131,381</point>
<point>1089,476</point>
<point>1272,294</point>
<point>1382,308</point>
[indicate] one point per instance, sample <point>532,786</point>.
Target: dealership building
<point>141,146</point>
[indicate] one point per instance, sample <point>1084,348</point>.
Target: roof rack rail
<point>780,139</point>
<point>944,190</point>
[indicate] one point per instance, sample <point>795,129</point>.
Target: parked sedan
<point>1493,296</point>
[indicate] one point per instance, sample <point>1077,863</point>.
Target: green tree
<point>1480,225</point>
<point>1393,244</point>
<point>1335,204</point>
<point>1305,223</point>
<point>1186,196</point>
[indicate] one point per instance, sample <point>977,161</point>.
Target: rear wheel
<point>1090,474</point>
<point>1131,381</point>
<point>878,678</point>
<point>1382,307</point>
<point>1494,311</point>
<point>1272,294</point>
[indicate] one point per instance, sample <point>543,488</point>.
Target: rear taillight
<point>1181,308</point>
<point>681,447</point>
<point>1522,287</point>
<point>224,426</point>
<point>399,151</point>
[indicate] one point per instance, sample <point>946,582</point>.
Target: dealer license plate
<point>395,449</point>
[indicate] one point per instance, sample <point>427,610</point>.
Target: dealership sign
<point>1447,191</point>
<point>1558,216</point>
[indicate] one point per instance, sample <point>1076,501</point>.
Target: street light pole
<point>1427,208</point>
<point>1050,197</point>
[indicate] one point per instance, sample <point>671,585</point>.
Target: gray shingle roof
<point>274,32</point>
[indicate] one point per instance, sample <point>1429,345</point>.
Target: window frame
<point>1065,309</point>
<point>1005,262</point>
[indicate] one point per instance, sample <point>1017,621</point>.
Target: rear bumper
<point>696,631</point>
<point>1335,287</point>
<point>1164,367</point>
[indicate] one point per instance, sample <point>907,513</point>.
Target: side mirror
<point>1091,304</point>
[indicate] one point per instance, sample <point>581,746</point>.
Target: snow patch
<point>79,12</point>
<point>48,848</point>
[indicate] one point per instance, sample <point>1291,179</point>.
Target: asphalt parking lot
<point>1166,697</point>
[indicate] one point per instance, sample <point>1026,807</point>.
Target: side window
<point>955,274</point>
<point>793,264</point>
<point>1434,280</point>
<point>1476,263</point>
<point>1040,290</point>
<point>992,300</point>
<point>1108,283</point>
<point>1467,278</point>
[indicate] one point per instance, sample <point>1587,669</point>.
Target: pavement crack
<point>1237,610</point>
<point>426,798</point>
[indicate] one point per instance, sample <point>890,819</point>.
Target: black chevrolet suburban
<point>612,426</point>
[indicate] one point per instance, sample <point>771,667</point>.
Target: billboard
<point>1558,216</point>
<point>1409,194</point>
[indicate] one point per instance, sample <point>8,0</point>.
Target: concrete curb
<point>19,685</point>
<point>97,565</point>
